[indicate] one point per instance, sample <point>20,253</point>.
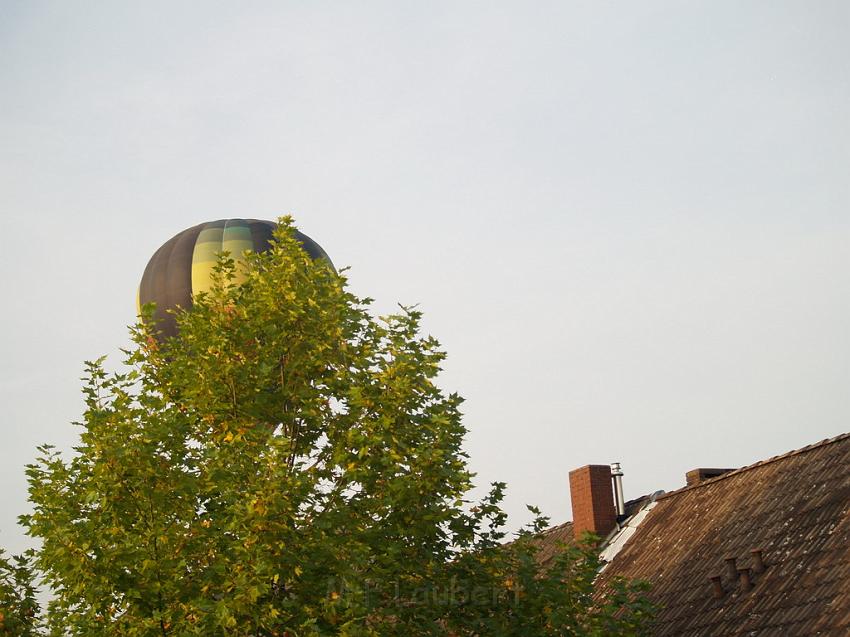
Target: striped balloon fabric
<point>183,266</point>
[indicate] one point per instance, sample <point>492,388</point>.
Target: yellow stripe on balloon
<point>204,258</point>
<point>237,238</point>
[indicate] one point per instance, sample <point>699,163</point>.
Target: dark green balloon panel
<point>182,267</point>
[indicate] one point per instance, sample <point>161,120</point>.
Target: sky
<point>627,223</point>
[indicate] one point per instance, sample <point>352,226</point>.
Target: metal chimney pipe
<point>758,561</point>
<point>617,475</point>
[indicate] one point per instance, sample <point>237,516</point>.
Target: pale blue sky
<point>628,223</point>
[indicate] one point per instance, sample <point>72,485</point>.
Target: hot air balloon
<point>183,266</point>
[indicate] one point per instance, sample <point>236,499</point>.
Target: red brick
<point>592,496</point>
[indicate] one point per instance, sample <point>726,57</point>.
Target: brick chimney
<point>592,497</point>
<point>695,476</point>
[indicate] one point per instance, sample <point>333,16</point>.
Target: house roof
<point>554,538</point>
<point>794,507</point>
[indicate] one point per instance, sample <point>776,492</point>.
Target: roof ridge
<point>556,527</point>
<point>760,463</point>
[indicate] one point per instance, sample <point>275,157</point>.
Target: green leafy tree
<point>287,466</point>
<point>19,609</point>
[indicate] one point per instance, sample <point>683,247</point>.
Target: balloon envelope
<point>183,266</point>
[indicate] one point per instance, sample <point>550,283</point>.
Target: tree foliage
<point>19,609</point>
<point>288,466</point>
